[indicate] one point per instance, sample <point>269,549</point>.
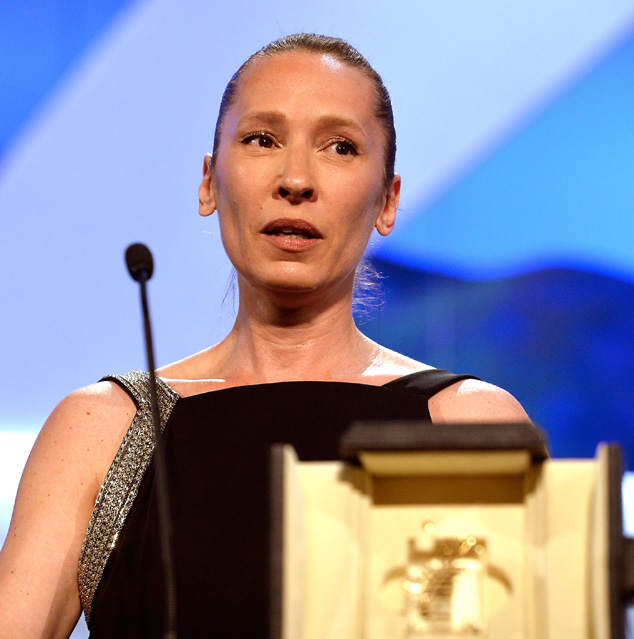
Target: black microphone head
<point>139,261</point>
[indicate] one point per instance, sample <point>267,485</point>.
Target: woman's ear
<point>206,199</point>
<point>385,220</point>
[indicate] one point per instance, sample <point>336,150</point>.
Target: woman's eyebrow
<point>267,117</point>
<point>335,121</point>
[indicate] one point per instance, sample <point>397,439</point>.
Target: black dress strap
<point>427,382</point>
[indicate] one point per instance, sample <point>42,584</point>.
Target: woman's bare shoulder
<point>39,594</point>
<point>472,400</point>
<point>106,398</point>
<point>99,413</point>
<point>78,441</point>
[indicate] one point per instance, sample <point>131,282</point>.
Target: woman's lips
<point>292,234</point>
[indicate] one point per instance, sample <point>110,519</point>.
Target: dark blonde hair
<point>344,53</point>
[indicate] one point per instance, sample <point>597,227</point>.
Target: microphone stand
<point>142,273</point>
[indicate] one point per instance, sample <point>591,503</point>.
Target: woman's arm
<point>474,401</point>
<point>39,595</point>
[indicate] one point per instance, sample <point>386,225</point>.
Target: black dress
<point>218,461</point>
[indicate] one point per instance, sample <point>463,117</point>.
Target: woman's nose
<point>296,183</point>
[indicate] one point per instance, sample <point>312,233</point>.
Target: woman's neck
<point>276,341</point>
<point>289,346</point>
<point>271,343</point>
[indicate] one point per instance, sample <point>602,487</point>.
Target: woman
<point>301,173</point>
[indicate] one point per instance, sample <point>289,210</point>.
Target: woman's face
<point>298,177</point>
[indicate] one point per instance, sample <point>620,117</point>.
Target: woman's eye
<point>259,140</point>
<point>342,147</point>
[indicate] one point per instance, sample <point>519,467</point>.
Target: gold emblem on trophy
<point>443,585</point>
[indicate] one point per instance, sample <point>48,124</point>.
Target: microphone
<point>139,261</point>
<point>140,265</point>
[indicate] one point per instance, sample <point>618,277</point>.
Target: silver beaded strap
<point>120,487</point>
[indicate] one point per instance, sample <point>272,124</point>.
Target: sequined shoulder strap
<point>121,484</point>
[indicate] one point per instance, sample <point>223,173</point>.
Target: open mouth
<point>292,234</point>
<point>292,230</point>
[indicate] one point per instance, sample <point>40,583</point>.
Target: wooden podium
<point>430,532</point>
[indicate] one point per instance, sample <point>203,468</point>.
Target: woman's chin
<point>296,290</point>
<point>295,283</point>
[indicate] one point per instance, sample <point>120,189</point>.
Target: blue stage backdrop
<point>523,270</point>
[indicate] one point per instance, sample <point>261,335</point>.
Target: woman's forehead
<point>296,76</point>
